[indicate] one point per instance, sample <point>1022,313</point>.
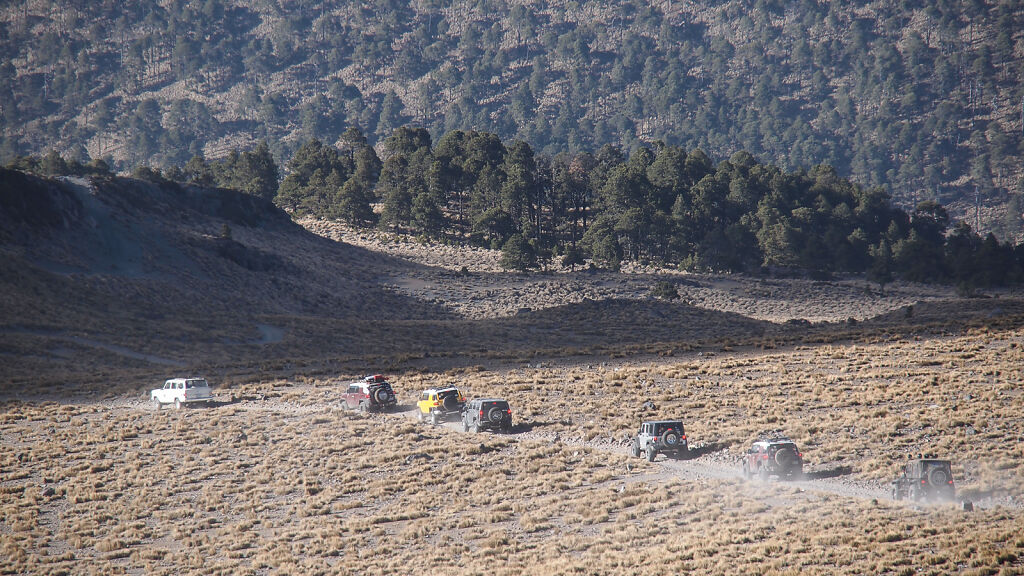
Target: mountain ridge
<point>924,101</point>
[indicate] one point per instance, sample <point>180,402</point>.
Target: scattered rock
<point>418,456</point>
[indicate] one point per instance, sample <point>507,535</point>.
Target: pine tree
<point>518,254</point>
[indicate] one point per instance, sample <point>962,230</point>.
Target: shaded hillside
<point>109,272</point>
<point>120,282</point>
<point>923,100</point>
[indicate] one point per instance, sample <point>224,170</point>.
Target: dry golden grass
<point>860,406</point>
<point>292,485</point>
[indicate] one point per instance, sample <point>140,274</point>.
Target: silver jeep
<point>660,436</point>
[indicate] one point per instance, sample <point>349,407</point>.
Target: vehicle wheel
<point>506,428</point>
<point>433,418</point>
<point>635,448</point>
<point>914,495</point>
<point>156,404</point>
<point>465,426</point>
<point>651,454</point>
<point>476,428</point>
<point>362,406</point>
<point>895,494</point>
<point>419,414</point>
<point>177,404</point>
<point>763,473</point>
<point>746,470</point>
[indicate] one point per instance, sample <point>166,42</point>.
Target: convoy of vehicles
<point>922,479</point>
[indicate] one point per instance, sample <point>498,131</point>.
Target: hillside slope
<point>177,276</point>
<point>114,283</point>
<point>925,101</point>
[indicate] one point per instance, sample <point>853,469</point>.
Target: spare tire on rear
<point>495,415</point>
<point>670,438</point>
<point>380,396</point>
<point>937,477</point>
<point>785,458</point>
<point>450,403</point>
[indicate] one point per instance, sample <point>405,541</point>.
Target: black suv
<point>773,457</point>
<point>660,436</point>
<point>487,414</point>
<point>925,479</point>
<point>372,393</point>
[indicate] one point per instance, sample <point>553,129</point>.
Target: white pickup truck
<point>179,391</point>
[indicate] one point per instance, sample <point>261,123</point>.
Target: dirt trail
<point>714,464</point>
<point>711,465</point>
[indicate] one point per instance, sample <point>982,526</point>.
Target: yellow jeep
<point>440,403</point>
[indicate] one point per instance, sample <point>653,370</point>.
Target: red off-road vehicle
<point>777,456</point>
<point>373,393</point>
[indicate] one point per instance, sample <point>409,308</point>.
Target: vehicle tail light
<point>764,456</point>
<point>481,414</point>
<point>683,436</point>
<point>950,481</point>
<point>799,455</point>
<point>924,481</point>
<point>509,411</point>
<point>655,438</point>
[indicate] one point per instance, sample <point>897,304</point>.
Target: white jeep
<point>181,391</point>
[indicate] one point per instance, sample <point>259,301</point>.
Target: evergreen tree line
<point>661,204</point>
<point>923,99</point>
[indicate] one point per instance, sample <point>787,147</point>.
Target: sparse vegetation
<point>293,483</point>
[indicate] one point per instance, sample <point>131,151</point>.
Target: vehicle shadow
<point>523,427</point>
<point>239,399</point>
<point>828,473</point>
<point>706,448</point>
